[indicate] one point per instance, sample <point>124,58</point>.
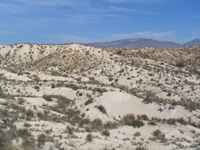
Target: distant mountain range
<point>142,42</point>
<point>195,42</point>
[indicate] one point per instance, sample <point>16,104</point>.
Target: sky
<point>89,21</point>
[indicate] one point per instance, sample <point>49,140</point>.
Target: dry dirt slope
<point>81,97</point>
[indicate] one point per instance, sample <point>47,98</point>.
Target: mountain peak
<point>195,42</point>
<point>138,43</point>
<point>144,42</point>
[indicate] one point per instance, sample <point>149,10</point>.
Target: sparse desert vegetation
<point>57,97</point>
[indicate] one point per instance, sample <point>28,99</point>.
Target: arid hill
<point>82,97</point>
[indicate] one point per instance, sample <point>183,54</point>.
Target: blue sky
<point>85,21</point>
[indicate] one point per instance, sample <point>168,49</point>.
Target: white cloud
<point>55,2</point>
<point>88,18</point>
<point>37,7</point>
<point>133,10</point>
<point>24,6</point>
<point>81,18</point>
<point>194,33</point>
<point>14,8</point>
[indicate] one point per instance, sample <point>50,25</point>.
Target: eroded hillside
<point>81,97</point>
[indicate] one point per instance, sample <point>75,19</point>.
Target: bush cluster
<point>131,121</point>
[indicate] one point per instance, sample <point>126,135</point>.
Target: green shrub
<point>88,129</point>
<point>141,148</point>
<point>30,113</point>
<point>105,133</point>
<point>36,78</point>
<point>196,71</point>
<point>148,99</point>
<point>1,92</point>
<point>152,123</point>
<point>89,138</point>
<point>159,135</point>
<point>5,140</point>
<point>181,121</point>
<point>110,125</point>
<point>28,144</point>
<point>54,73</point>
<point>41,140</point>
<point>4,95</point>
<point>89,101</point>
<point>131,121</point>
<point>128,119</point>
<point>119,52</point>
<point>40,115</point>
<point>97,124</point>
<point>156,133</point>
<point>27,125</point>
<point>69,130</point>
<point>171,121</point>
<point>47,98</point>
<point>8,147</point>
<point>180,64</point>
<point>169,94</point>
<point>23,133</point>
<point>143,117</point>
<point>62,103</point>
<point>102,109</point>
<point>137,123</point>
<point>137,134</point>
